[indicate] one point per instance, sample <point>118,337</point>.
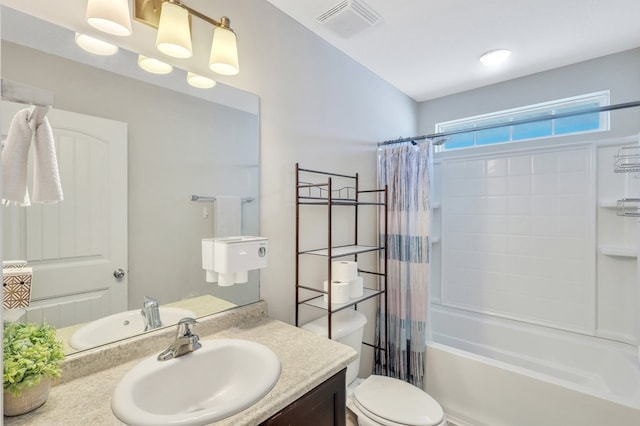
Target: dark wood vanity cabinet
<point>322,406</point>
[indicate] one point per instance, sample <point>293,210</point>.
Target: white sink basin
<point>120,326</point>
<point>218,380</point>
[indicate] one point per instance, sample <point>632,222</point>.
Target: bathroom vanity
<point>311,382</point>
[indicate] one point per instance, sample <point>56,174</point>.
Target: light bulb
<point>495,57</point>
<point>224,52</point>
<point>95,46</point>
<point>153,65</point>
<point>199,81</point>
<point>174,34</point>
<point>109,16</point>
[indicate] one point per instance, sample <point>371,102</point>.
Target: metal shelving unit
<point>320,192</point>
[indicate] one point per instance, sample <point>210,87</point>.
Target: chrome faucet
<point>151,314</point>
<point>186,342</point>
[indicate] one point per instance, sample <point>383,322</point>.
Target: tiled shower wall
<point>519,239</point>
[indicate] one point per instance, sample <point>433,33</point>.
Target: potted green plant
<point>32,357</point>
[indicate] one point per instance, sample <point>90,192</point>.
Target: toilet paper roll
<point>344,270</point>
<point>226,280</point>
<point>339,292</point>
<point>356,287</point>
<point>241,277</point>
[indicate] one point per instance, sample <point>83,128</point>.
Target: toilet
<point>377,400</point>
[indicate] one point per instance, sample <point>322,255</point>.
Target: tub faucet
<point>151,314</point>
<point>186,342</point>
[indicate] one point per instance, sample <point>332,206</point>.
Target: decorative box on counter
<point>16,280</point>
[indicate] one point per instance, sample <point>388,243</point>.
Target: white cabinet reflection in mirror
<point>120,326</point>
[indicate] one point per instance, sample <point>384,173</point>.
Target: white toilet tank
<point>347,327</point>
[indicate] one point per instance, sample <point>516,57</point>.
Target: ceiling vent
<point>349,17</point>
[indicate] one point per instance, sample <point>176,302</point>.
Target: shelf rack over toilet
<point>319,191</point>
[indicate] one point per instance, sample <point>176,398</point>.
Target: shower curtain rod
<point>440,138</point>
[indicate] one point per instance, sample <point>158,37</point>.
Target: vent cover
<point>349,17</point>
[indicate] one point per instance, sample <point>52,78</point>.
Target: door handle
<point>119,273</point>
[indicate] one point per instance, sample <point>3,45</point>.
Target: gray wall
<point>318,107</point>
<point>617,72</point>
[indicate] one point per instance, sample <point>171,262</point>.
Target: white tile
<point>459,205</point>
<point>496,186</point>
<point>571,226</point>
<point>543,226</point>
<point>519,245</point>
<point>519,185</point>
<point>474,169</point>
<point>575,160</point>
<point>491,224</point>
<point>544,205</point>
<point>572,183</point>
<point>572,205</point>
<point>519,205</point>
<point>545,163</point>
<point>495,205</point>
<point>546,184</point>
<point>518,225</point>
<point>497,167</point>
<point>519,165</point>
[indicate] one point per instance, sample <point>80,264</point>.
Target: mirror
<point>180,141</point>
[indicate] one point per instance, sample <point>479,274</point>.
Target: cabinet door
<point>322,406</point>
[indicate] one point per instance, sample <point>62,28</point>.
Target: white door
<point>76,245</point>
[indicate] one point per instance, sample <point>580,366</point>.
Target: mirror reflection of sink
<point>220,379</point>
<point>120,326</point>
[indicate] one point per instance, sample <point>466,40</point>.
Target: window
<point>584,123</point>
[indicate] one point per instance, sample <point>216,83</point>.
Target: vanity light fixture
<point>495,57</point>
<point>153,65</point>
<point>174,31</point>
<point>109,16</point>
<point>199,81</point>
<point>95,46</point>
<point>172,19</point>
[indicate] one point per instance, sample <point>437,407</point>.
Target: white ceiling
<point>430,48</point>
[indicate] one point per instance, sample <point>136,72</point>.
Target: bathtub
<point>488,371</point>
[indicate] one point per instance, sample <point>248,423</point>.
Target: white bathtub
<point>492,372</point>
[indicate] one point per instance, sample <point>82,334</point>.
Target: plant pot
<point>29,400</point>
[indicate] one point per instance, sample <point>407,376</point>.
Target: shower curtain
<point>406,169</point>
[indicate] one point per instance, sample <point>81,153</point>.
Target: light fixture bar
<point>148,12</point>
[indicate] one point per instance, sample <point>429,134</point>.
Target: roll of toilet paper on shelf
<point>344,270</point>
<point>339,291</point>
<point>356,287</point>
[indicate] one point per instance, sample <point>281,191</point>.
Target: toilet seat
<point>392,402</point>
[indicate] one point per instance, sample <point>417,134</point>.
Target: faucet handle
<point>184,326</point>
<point>149,302</point>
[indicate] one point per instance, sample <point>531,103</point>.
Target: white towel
<point>15,155</point>
<point>14,160</point>
<point>46,177</point>
<point>228,216</point>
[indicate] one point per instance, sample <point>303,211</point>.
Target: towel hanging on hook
<point>37,114</point>
<point>15,154</point>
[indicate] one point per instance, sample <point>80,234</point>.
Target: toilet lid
<point>397,402</point>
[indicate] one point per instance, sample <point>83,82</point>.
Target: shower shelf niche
<point>608,204</point>
<point>628,207</point>
<point>615,251</point>
<point>628,159</point>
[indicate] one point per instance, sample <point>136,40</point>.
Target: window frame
<point>601,98</point>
